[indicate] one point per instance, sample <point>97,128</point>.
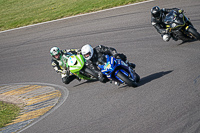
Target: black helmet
<point>155,11</point>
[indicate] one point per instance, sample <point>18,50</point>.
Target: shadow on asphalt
<point>86,82</point>
<point>143,80</point>
<point>187,42</point>
<point>151,77</point>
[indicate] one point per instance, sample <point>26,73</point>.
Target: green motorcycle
<point>76,64</point>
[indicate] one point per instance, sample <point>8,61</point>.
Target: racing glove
<point>61,71</point>
<point>64,71</point>
<point>102,78</point>
<point>180,11</point>
<point>120,56</point>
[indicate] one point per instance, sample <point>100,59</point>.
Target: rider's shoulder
<point>163,9</point>
<point>97,47</point>
<point>100,46</point>
<point>65,51</point>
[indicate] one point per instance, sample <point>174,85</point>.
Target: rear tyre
<point>91,72</point>
<point>193,32</point>
<point>126,79</point>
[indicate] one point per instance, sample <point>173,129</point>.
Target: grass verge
<point>8,112</point>
<point>17,13</point>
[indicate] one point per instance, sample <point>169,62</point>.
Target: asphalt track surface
<point>167,99</point>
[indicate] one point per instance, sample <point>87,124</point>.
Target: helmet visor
<point>57,56</point>
<point>87,55</point>
<point>157,15</point>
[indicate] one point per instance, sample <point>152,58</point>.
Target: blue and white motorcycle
<point>119,71</point>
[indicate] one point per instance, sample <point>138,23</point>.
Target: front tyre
<point>193,32</point>
<point>126,79</point>
<point>137,78</point>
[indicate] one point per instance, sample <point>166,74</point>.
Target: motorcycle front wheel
<point>137,78</point>
<point>193,32</point>
<point>126,79</point>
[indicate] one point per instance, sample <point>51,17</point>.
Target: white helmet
<point>87,51</point>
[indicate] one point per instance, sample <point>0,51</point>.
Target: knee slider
<point>166,37</point>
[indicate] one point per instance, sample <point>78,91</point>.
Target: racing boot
<point>132,65</point>
<point>78,79</point>
<point>102,78</point>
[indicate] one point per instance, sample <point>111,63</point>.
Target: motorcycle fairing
<point>76,63</point>
<point>113,66</point>
<point>173,20</point>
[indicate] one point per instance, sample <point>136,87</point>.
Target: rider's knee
<point>65,80</point>
<point>166,37</point>
<point>68,79</point>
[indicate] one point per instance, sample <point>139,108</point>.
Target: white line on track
<point>78,15</point>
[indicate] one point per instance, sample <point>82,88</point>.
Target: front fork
<point>187,27</point>
<point>188,33</point>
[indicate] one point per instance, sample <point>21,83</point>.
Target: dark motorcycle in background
<point>180,27</point>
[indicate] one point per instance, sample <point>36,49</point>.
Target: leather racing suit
<point>60,66</point>
<point>159,23</point>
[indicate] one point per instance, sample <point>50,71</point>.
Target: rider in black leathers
<point>94,57</point>
<point>157,16</point>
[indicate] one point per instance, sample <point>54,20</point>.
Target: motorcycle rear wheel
<point>193,32</point>
<point>126,79</point>
<point>90,72</point>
